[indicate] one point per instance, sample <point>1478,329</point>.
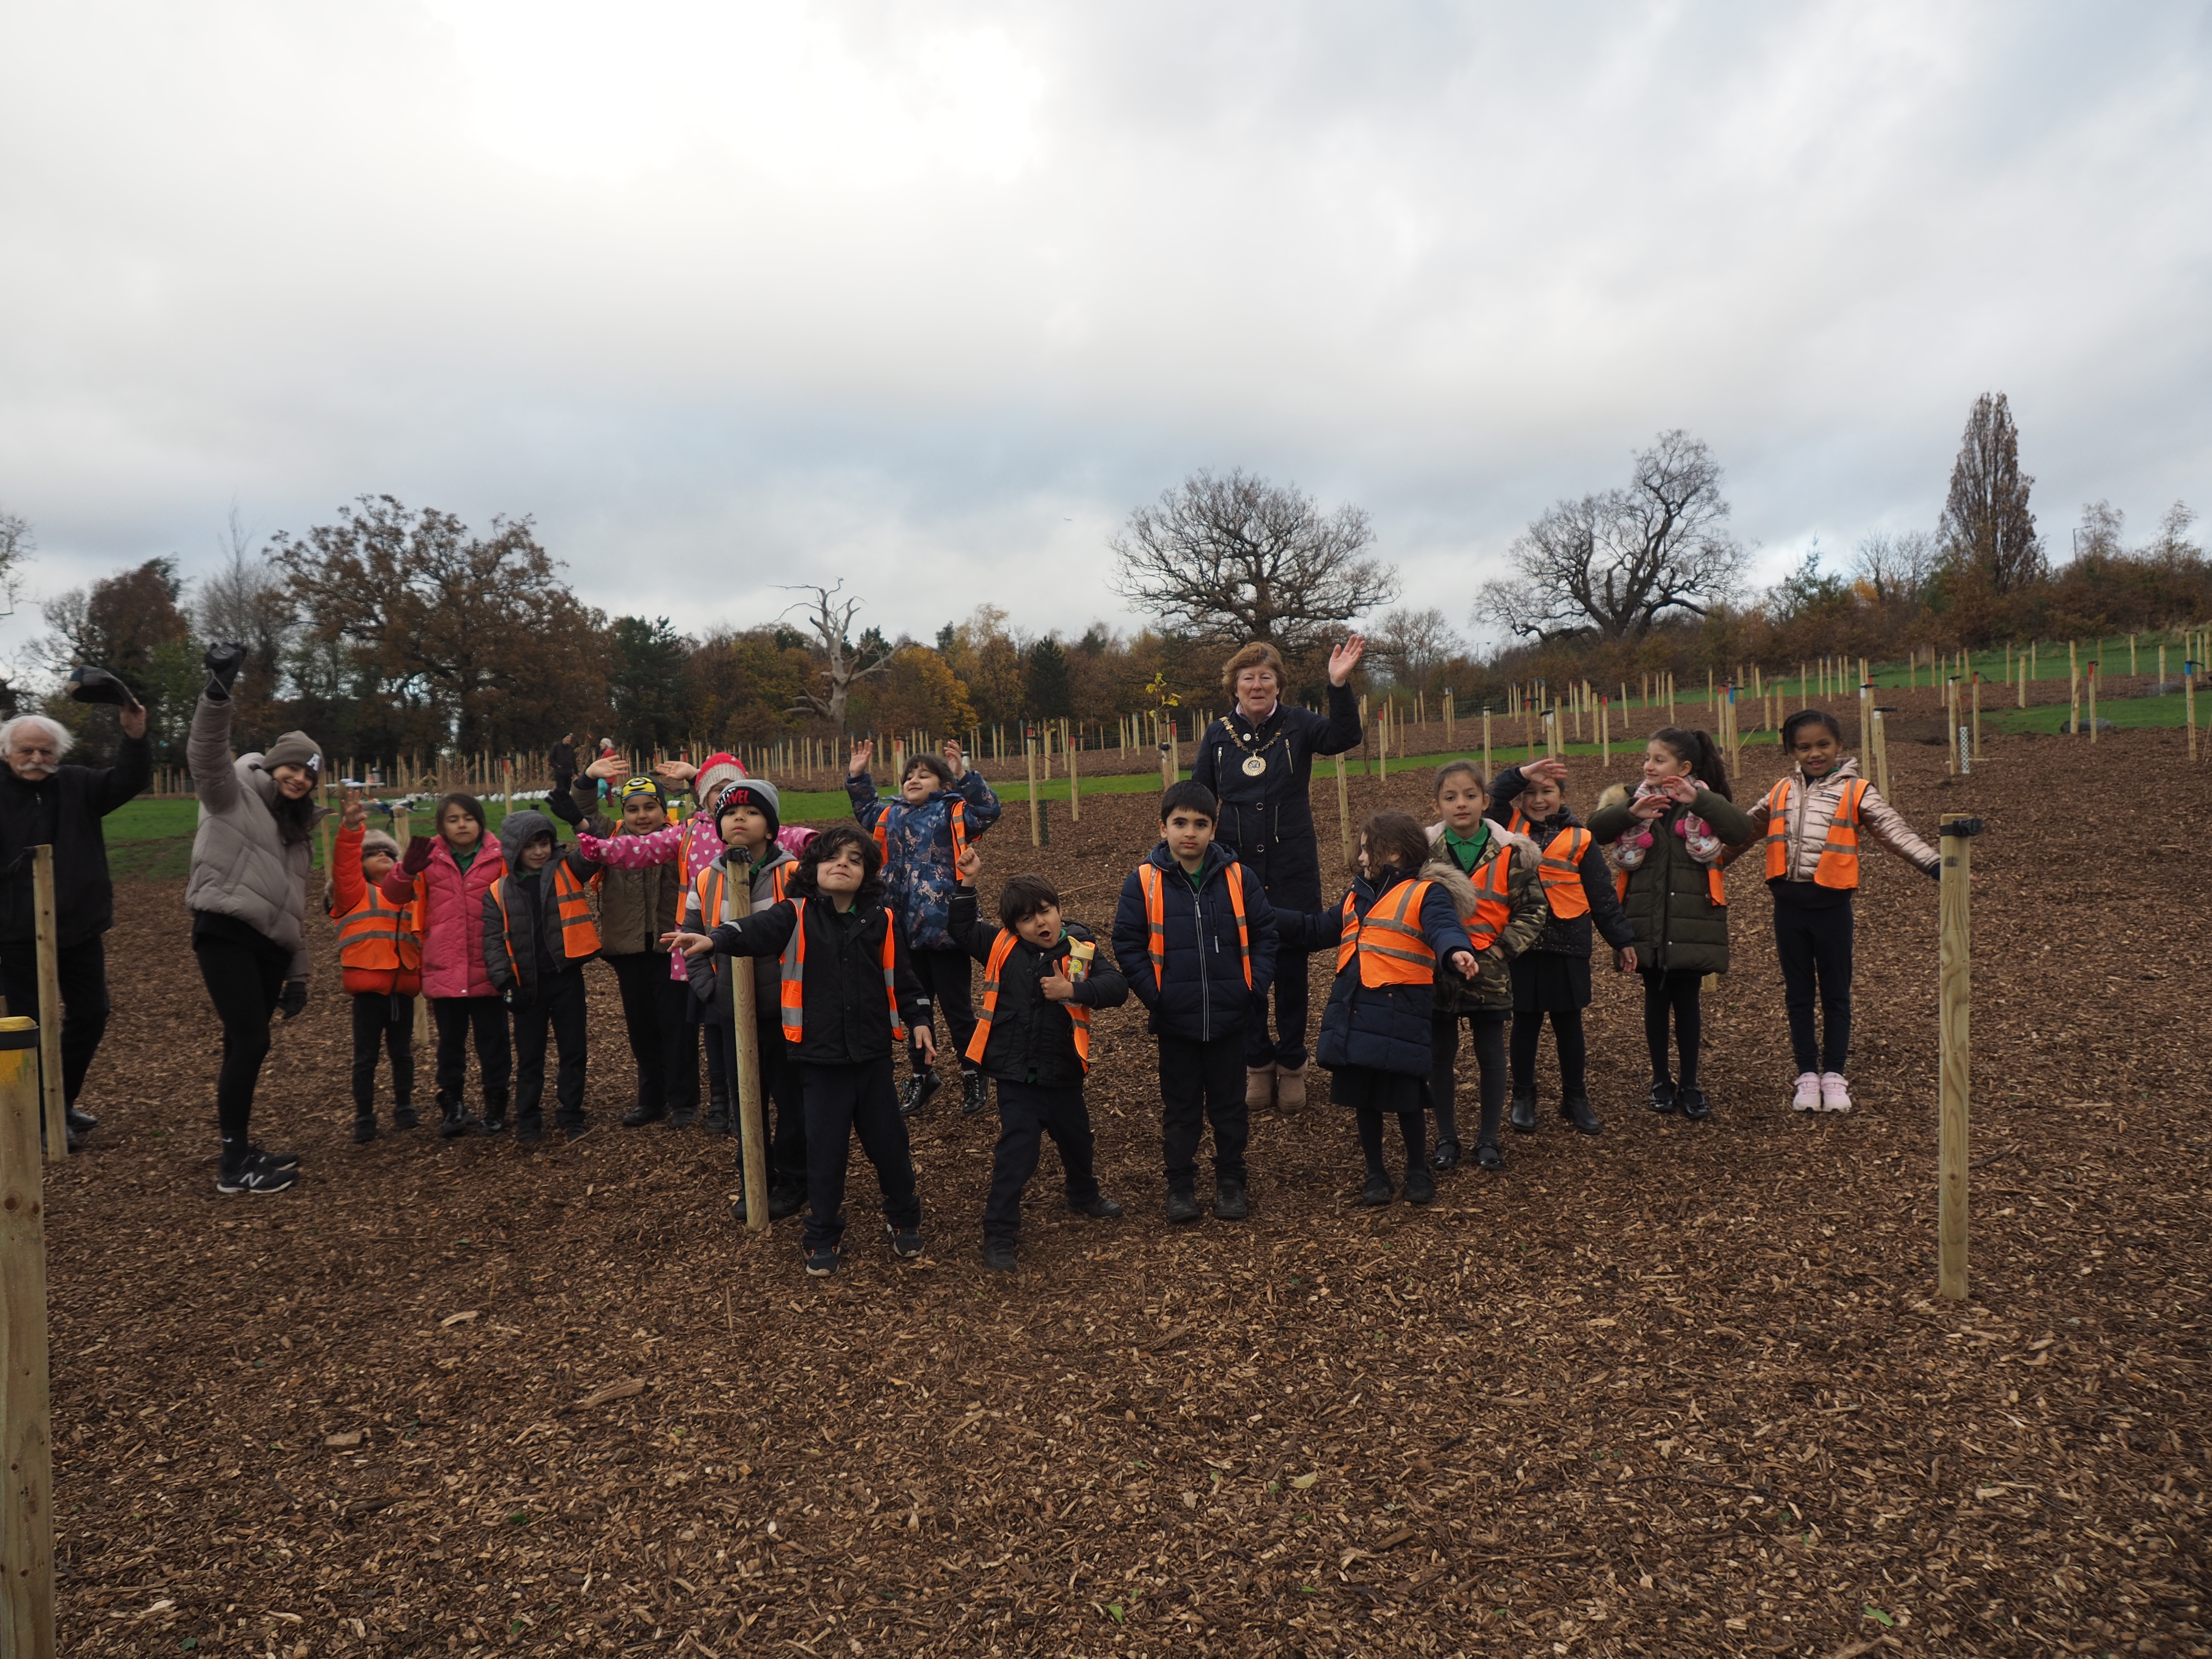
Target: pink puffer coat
<point>452,916</point>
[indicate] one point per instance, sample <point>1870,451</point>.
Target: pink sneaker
<point>1808,1097</point>
<point>1834,1097</point>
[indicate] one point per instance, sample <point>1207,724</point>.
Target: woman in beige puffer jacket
<point>252,858</point>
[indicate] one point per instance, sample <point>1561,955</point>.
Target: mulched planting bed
<point>1680,1389</point>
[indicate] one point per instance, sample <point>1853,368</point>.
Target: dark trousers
<point>557,1010</point>
<point>458,1019</point>
<point>1815,945</point>
<point>1293,997</point>
<point>842,1101</point>
<point>779,1074</point>
<point>1574,1051</point>
<point>83,971</point>
<point>1026,1114</point>
<point>1674,994</point>
<point>946,977</point>
<point>655,1010</point>
<point>243,981</point>
<point>382,1024</point>
<point>1202,1082</point>
<point>1485,1031</point>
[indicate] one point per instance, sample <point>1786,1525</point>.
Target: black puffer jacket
<point>65,811</point>
<point>530,924</point>
<point>1565,936</point>
<point>1032,1039</point>
<point>847,1014</point>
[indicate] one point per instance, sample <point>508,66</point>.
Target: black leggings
<point>1410,1130</point>
<point>382,1023</point>
<point>1815,943</point>
<point>243,981</point>
<point>1486,1032</point>
<point>1676,993</point>
<point>946,976</point>
<point>1574,1051</point>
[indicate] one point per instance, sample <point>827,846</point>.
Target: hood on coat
<point>1447,874</point>
<point>1614,794</point>
<point>519,829</point>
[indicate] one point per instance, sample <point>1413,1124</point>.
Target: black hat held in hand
<point>88,685</point>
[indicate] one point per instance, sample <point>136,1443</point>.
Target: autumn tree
<point>478,633</point>
<point>1987,531</point>
<point>919,692</point>
<point>1615,563</point>
<point>1230,559</point>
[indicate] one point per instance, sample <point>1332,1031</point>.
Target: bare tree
<point>1895,568</point>
<point>1619,561</point>
<point>1987,531</point>
<point>1236,559</point>
<point>1410,645</point>
<point>246,600</point>
<point>17,543</point>
<point>2098,535</point>
<point>844,665</point>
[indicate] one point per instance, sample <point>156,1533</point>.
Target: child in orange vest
<point>537,935</point>
<point>381,958</point>
<point>1042,978</point>
<point>1811,822</point>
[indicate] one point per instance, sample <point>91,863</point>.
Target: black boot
<point>1521,1114</point>
<point>1183,1205</point>
<point>642,1113</point>
<point>364,1128</point>
<point>1229,1203</point>
<point>453,1117</point>
<point>718,1111</point>
<point>785,1202</point>
<point>975,1092</point>
<point>495,1114</point>
<point>1575,1108</point>
<point>919,1088</point>
<point>403,1115</point>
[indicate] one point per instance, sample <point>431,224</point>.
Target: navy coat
<point>1205,996</point>
<point>1384,1028</point>
<point>918,873</point>
<point>1268,821</point>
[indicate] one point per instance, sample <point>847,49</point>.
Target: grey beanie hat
<point>751,792</point>
<point>294,749</point>
<point>375,840</point>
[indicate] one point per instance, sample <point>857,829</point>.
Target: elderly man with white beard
<point>45,802</point>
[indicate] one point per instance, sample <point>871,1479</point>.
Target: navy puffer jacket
<point>1386,1027</point>
<point>918,874</point>
<point>1204,996</point>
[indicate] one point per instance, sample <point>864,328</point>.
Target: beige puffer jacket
<point>240,865</point>
<point>1812,808</point>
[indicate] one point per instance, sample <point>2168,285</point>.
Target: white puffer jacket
<point>1813,809</point>
<point>240,865</point>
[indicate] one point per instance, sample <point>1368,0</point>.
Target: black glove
<point>416,859</point>
<point>563,806</point>
<point>223,663</point>
<point>293,1000</point>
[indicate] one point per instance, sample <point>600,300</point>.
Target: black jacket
<point>1032,1039</point>
<point>531,925</point>
<point>1566,936</point>
<point>847,1017</point>
<point>1205,995</point>
<point>1268,821</point>
<point>65,810</point>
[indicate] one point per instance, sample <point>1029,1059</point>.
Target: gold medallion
<point>1254,764</point>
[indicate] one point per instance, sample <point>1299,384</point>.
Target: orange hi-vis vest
<point>1156,916</point>
<point>1001,948</point>
<point>1839,854</point>
<point>1388,940</point>
<point>707,892</point>
<point>580,935</point>
<point>1560,868</point>
<point>882,831</point>
<point>377,937</point>
<point>792,992</point>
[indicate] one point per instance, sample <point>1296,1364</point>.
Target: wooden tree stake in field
<point>27,1471</point>
<point>1604,735</point>
<point>1977,716</point>
<point>2092,701</point>
<point>1954,989</point>
<point>2189,704</point>
<point>2073,688</point>
<point>1074,787</point>
<point>1029,755</point>
<point>738,976</point>
<point>50,999</point>
<point>1486,772</point>
<point>1344,810</point>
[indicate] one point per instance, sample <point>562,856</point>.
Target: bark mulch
<point>1680,1389</point>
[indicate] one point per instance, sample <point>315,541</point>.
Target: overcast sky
<point>929,295</point>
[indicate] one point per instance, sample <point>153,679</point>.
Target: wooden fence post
<point>26,1471</point>
<point>1074,787</point>
<point>1977,716</point>
<point>1030,757</point>
<point>1486,772</point>
<point>1954,983</point>
<point>1344,810</point>
<point>1604,735</point>
<point>739,1003</point>
<point>2189,703</point>
<point>48,939</point>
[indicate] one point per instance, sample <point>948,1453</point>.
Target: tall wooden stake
<point>1344,810</point>
<point>2093,700</point>
<point>1977,716</point>
<point>1954,990</point>
<point>1029,755</point>
<point>741,1003</point>
<point>1487,773</point>
<point>27,1469</point>
<point>1074,788</point>
<point>2189,704</point>
<point>50,1000</point>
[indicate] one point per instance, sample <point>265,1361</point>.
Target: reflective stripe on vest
<point>1493,909</point>
<point>1839,854</point>
<point>1001,948</point>
<point>579,937</point>
<point>1391,947</point>
<point>377,937</point>
<point>1560,868</point>
<point>791,992</point>
<point>1154,885</point>
<point>706,894</point>
<point>882,831</point>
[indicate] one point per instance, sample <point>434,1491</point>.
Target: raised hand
<point>955,761</point>
<point>1681,790</point>
<point>1648,807</point>
<point>858,765</point>
<point>1546,771</point>
<point>607,768</point>
<point>1345,659</point>
<point>967,865</point>
<point>1056,985</point>
<point>675,771</point>
<point>354,816</point>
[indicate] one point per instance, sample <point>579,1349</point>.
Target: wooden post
<point>739,1002</point>
<point>1977,716</point>
<point>2132,670</point>
<point>2093,701</point>
<point>1954,990</point>
<point>1880,746</point>
<point>1604,735</point>
<point>1074,787</point>
<point>2023,682</point>
<point>1451,720</point>
<point>2189,703</point>
<point>2074,690</point>
<point>1029,755</point>
<point>49,1002</point>
<point>1382,742</point>
<point>323,824</point>
<point>27,1473</point>
<point>1344,810</point>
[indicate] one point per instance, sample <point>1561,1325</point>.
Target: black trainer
<point>821,1263</point>
<point>403,1116</point>
<point>998,1254</point>
<point>684,1117</point>
<point>718,1117</point>
<point>917,1093</point>
<point>456,1121</point>
<point>492,1126</point>
<point>530,1130</point>
<point>273,1160</point>
<point>906,1242</point>
<point>638,1116</point>
<point>1229,1203</point>
<point>80,1120</point>
<point>364,1129</point>
<point>1183,1206</point>
<point>785,1202</point>
<point>975,1092</point>
<point>1101,1208</point>
<point>248,1176</point>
